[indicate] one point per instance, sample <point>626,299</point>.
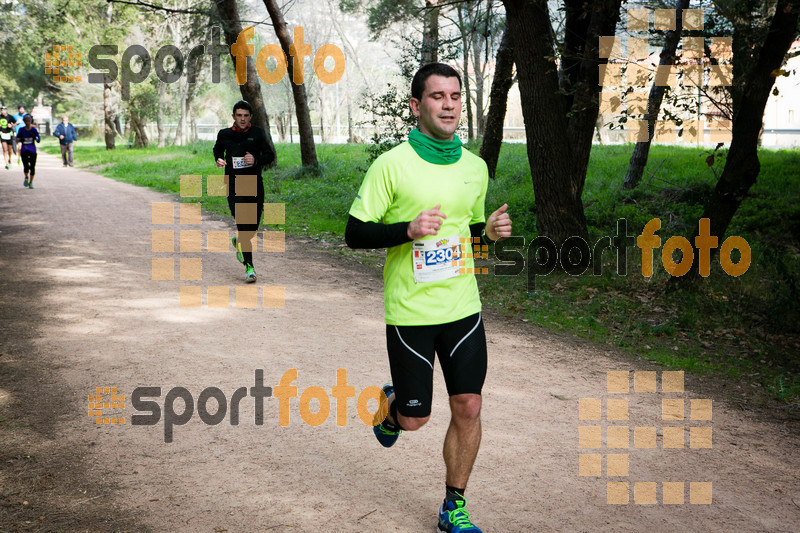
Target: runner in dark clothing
<point>243,151</point>
<point>7,123</point>
<point>27,136</point>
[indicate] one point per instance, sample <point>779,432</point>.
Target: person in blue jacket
<point>17,144</point>
<point>66,136</point>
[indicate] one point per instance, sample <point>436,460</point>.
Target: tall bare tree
<point>251,90</point>
<point>430,32</point>
<point>498,100</point>
<point>758,53</point>
<point>656,96</point>
<point>559,104</point>
<point>308,152</point>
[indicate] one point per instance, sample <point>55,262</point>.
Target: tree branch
<point>154,7</point>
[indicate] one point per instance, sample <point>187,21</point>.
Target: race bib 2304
<point>437,259</point>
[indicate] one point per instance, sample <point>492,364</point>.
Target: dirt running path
<point>79,310</point>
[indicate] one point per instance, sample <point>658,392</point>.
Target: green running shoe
<point>454,518</point>
<point>249,274</point>
<point>238,248</point>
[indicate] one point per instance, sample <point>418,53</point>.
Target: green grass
<point>745,329</point>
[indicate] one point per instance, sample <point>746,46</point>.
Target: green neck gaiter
<point>433,150</point>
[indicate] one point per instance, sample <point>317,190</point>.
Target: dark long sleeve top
<point>232,144</point>
<point>360,234</point>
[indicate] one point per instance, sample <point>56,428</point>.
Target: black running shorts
<point>461,347</point>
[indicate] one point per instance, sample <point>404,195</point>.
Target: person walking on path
<point>424,201</point>
<point>242,150</point>
<point>17,145</point>
<point>28,136</point>
<point>6,134</point>
<point>66,136</point>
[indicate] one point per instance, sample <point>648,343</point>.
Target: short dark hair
<point>426,71</point>
<point>243,104</point>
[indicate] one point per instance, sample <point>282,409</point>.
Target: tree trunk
<point>308,153</point>
<point>476,66</point>
<point>465,46</point>
<point>192,126</point>
<point>279,124</point>
<point>138,128</point>
<point>251,89</point>
<point>742,165</point>
<point>498,100</point>
<point>642,149</point>
<point>108,115</point>
<point>350,133</point>
<point>559,127</point>
<point>162,88</point>
<point>180,128</point>
<point>321,115</point>
<point>289,115</point>
<point>430,33</point>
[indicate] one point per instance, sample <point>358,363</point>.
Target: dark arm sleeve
<point>360,234</point>
<point>476,230</point>
<point>219,148</point>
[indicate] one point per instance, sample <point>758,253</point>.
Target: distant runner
<point>242,150</point>
<point>18,118</point>
<point>6,134</point>
<point>27,136</point>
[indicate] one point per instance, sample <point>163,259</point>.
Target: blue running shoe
<point>385,435</point>
<point>238,248</point>
<point>454,518</point>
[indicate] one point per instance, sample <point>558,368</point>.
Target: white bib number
<point>436,259</point>
<point>238,162</point>
<point>5,136</point>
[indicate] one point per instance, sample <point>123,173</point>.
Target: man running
<point>424,201</point>
<point>6,134</point>
<point>243,151</point>
<point>17,144</point>
<point>27,136</point>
